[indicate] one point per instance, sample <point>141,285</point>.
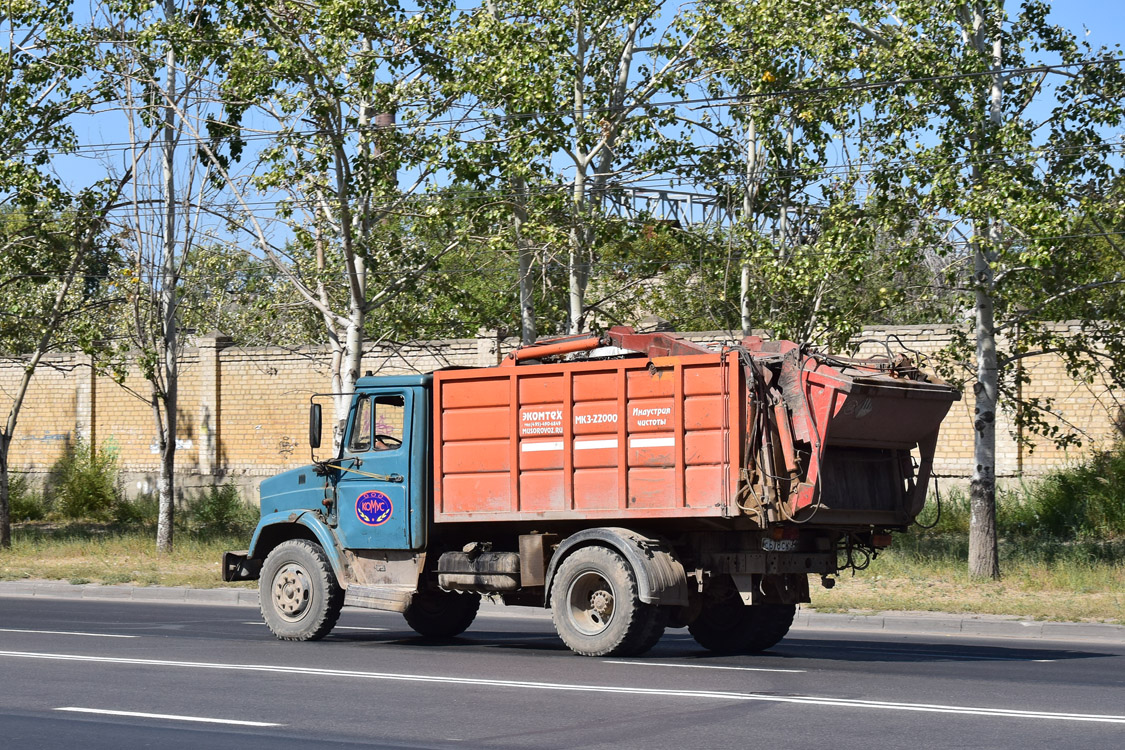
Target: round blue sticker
<point>373,508</point>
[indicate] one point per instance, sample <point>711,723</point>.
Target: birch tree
<point>50,229</point>
<point>791,129</point>
<point>345,88</point>
<point>1005,127</point>
<point>566,91</point>
<point>160,81</point>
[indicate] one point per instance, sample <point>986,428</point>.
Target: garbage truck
<point>629,482</point>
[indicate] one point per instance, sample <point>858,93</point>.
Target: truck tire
<point>441,614</point>
<point>730,627</point>
<point>657,624</point>
<point>298,593</point>
<point>595,607</point>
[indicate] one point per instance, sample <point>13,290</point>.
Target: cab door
<point>373,487</point>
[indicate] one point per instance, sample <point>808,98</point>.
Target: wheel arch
<point>661,578</point>
<point>276,528</point>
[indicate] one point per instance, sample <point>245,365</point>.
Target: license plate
<point>779,545</point>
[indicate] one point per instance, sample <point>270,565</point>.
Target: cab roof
<point>394,381</point>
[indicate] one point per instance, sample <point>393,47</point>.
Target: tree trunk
<point>749,199</point>
<point>351,359</point>
<point>579,253</point>
<point>5,495</point>
<point>170,341</point>
<point>526,254</point>
<point>983,552</point>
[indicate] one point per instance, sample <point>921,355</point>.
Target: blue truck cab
<point>352,528</point>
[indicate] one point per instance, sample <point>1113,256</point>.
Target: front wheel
<point>298,593</point>
<point>595,607</point>
<point>730,627</point>
<point>441,614</point>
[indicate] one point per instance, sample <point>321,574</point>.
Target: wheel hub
<point>590,603</point>
<point>601,602</point>
<point>291,592</point>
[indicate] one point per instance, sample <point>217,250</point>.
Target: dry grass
<point>1065,587</point>
<point>878,594</point>
<point>91,553</point>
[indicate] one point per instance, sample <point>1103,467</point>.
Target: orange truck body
<point>671,436</point>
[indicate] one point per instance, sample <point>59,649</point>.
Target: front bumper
<point>238,567</point>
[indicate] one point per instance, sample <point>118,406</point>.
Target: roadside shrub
<point>142,511</point>
<point>220,510</point>
<point>1084,501</point>
<point>949,515</point>
<point>85,483</point>
<point>24,503</point>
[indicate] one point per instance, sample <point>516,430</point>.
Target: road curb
<point>907,623</point>
<point>996,626</point>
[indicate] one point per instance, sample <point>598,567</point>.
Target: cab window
<point>389,413</point>
<point>378,423</point>
<point>360,439</point>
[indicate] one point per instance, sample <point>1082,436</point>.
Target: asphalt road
<point>106,674</point>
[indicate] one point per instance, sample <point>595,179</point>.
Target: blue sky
<point>1105,19</point>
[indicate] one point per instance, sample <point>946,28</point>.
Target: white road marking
<point>66,632</point>
<point>173,717</point>
<point>706,666</point>
<point>808,700</point>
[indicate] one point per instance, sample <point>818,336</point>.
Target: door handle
<point>396,478</point>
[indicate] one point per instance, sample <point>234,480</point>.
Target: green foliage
<point>84,482</point>
<point>220,511</point>
<point>24,503</point>
<point>140,512</point>
<point>1080,507</point>
<point>1083,502</point>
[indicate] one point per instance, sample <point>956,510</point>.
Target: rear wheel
<point>730,627</point>
<point>298,593</point>
<point>441,614</point>
<point>595,606</point>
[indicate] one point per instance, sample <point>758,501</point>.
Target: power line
<point>719,101</point>
<point>267,271</point>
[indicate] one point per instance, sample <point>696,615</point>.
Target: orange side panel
<point>632,438</point>
<point>477,456</point>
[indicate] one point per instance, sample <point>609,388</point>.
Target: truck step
<point>388,598</point>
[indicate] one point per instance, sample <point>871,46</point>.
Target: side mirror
<point>314,425</point>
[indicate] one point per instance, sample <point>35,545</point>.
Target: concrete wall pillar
<point>488,348</point>
<point>85,399</point>
<point>210,403</point>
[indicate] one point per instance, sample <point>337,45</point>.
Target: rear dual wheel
<point>596,608</point>
<point>441,614</point>
<point>730,627</point>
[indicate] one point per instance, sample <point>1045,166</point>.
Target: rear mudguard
<point>278,527</point>
<point>660,576</point>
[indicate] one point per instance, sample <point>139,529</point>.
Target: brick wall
<point>243,412</point>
